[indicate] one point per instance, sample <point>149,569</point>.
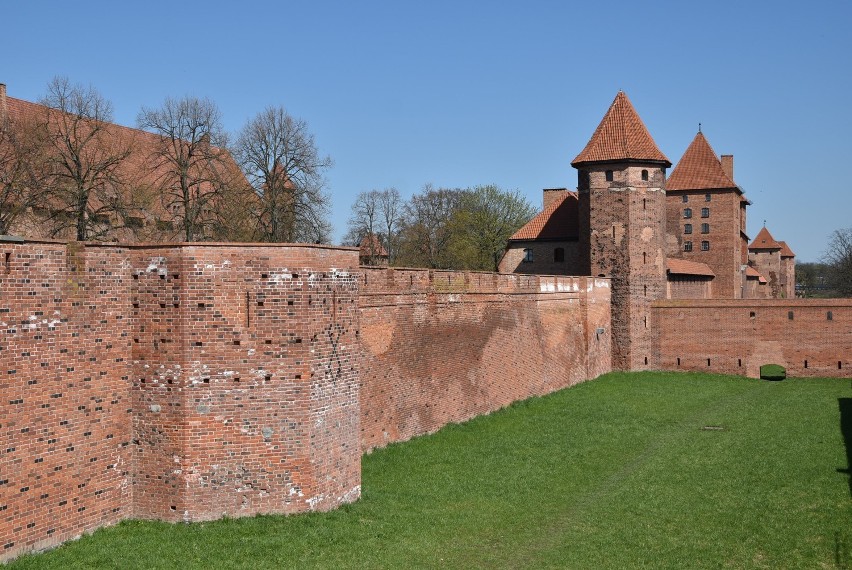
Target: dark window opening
<point>687,246</point>
<point>644,257</point>
<point>828,316</point>
<point>705,245</point>
<point>739,362</point>
<point>839,365</point>
<point>789,315</point>
<point>687,228</point>
<point>685,198</point>
<point>559,254</point>
<point>752,314</point>
<point>705,212</point>
<point>705,228</point>
<point>708,362</point>
<point>645,177</point>
<point>687,212</point>
<point>678,361</point>
<point>707,197</point>
<point>608,175</point>
<point>646,360</point>
<point>528,255</point>
<point>643,203</point>
<point>806,363</point>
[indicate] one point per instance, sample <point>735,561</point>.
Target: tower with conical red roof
<point>622,206</point>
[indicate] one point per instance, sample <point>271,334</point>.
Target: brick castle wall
<point>445,346</point>
<point>64,377</point>
<point>810,337</point>
<point>173,382</point>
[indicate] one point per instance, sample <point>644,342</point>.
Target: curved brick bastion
<point>179,382</point>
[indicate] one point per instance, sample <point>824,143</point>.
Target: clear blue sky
<point>460,93</point>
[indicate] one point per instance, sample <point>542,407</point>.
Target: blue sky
<point>460,93</point>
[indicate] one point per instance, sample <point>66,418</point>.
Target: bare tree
<point>425,232</point>
<point>390,215</point>
<point>280,158</point>
<point>194,172</point>
<point>21,168</point>
<point>86,191</point>
<point>838,257</point>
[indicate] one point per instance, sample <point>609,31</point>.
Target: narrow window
<point>705,246</point>
<point>708,362</point>
<point>789,315</point>
<point>707,197</point>
<point>739,362</point>
<point>705,212</point>
<point>687,228</point>
<point>643,203</point>
<point>645,177</point>
<point>609,175</point>
<point>705,228</point>
<point>613,231</point>
<point>8,263</point>
<point>646,360</point>
<point>829,316</point>
<point>645,289</point>
<point>678,361</point>
<point>687,212</point>
<point>687,246</point>
<point>528,255</point>
<point>644,257</point>
<point>559,255</point>
<point>645,322</point>
<point>839,365</point>
<point>806,363</point>
<point>685,198</point>
<point>752,314</point>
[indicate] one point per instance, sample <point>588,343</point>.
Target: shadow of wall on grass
<point>845,405</point>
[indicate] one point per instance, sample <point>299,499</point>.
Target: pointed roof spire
<point>699,169</point>
<point>621,135</point>
<point>764,240</point>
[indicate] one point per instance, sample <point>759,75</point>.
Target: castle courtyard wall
<point>809,337</point>
<point>445,346</point>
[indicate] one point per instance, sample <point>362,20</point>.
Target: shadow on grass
<point>845,405</point>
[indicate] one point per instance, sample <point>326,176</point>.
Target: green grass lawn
<point>653,470</point>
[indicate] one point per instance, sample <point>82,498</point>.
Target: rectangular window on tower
<point>687,212</point>
<point>687,246</point>
<point>705,246</point>
<point>528,255</point>
<point>705,228</point>
<point>687,228</point>
<point>705,212</point>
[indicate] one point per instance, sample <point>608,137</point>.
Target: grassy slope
<point>615,473</point>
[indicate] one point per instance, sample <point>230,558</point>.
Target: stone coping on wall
<point>745,303</point>
<point>178,244</point>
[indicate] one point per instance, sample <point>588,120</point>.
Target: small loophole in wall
<point>8,262</point>
<point>236,343</point>
<point>806,363</point>
<point>739,362</point>
<point>839,365</point>
<point>789,315</point>
<point>829,316</point>
<point>646,360</point>
<point>708,362</point>
<point>752,314</point>
<point>678,361</point>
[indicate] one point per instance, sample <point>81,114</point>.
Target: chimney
<point>553,194</point>
<point>3,109</point>
<point>728,165</point>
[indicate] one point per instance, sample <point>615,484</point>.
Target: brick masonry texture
<point>173,382</point>
<point>444,346</point>
<point>810,337</point>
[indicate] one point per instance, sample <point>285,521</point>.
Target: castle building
<point>681,237</point>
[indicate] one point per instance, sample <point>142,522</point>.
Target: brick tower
<point>622,204</point>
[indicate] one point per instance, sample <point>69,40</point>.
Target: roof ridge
<point>699,168</point>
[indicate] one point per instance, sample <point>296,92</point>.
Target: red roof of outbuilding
<point>560,220</point>
<point>699,169</point>
<point>372,246</point>
<point>752,273</point>
<point>764,240</point>
<point>684,267</point>
<point>621,135</point>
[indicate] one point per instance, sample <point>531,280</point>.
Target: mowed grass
<point>652,470</point>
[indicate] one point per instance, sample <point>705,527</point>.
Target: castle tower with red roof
<point>622,204</point>
<point>706,217</point>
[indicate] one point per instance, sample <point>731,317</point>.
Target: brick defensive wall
<point>445,346</point>
<point>810,337</point>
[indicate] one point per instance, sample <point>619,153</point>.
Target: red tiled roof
<point>684,267</point>
<point>621,135</point>
<point>752,273</point>
<point>785,250</point>
<point>560,220</point>
<point>764,240</point>
<point>699,169</point>
<point>372,247</point>
<point>137,167</point>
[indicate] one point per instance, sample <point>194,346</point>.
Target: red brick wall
<point>738,336</point>
<point>64,414</point>
<point>543,262</point>
<point>173,382</point>
<point>442,346</point>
